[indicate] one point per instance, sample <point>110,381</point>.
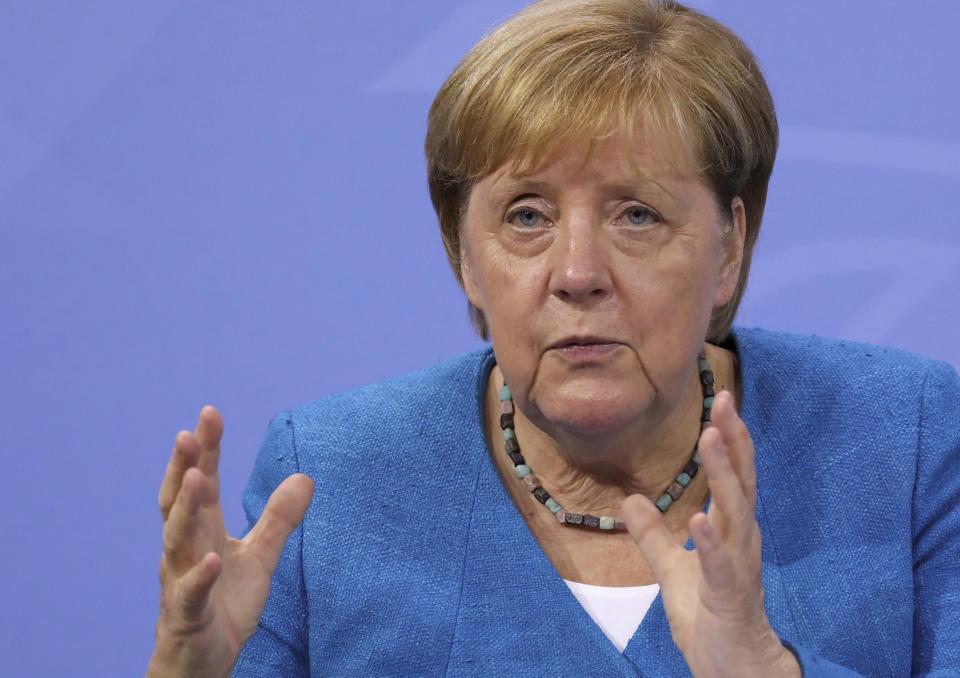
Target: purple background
<point>225,202</point>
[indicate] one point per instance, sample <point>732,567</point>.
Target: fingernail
<point>723,395</point>
<point>723,400</point>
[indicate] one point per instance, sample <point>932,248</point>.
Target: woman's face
<point>597,276</point>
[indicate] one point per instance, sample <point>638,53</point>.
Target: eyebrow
<point>512,183</point>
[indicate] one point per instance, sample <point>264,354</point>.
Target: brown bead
<point>675,491</point>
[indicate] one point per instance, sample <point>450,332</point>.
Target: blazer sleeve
<point>936,528</point>
<point>279,645</point>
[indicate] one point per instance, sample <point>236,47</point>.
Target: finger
<point>716,562</point>
<point>651,535</point>
<point>284,511</point>
<point>736,437</point>
<point>194,587</point>
<point>182,526</point>
<point>186,452</point>
<point>209,431</point>
<point>728,512</point>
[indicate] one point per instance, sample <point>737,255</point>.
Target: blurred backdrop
<point>224,201</point>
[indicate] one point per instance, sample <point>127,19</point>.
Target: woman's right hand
<point>213,587</point>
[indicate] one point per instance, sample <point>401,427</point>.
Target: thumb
<point>284,511</point>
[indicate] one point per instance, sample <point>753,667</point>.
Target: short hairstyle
<point>587,65</point>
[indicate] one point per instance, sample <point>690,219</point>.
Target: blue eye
<point>639,216</point>
<point>525,217</point>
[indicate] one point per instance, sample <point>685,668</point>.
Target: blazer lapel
<point>516,615</point>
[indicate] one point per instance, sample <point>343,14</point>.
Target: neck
<point>596,473</point>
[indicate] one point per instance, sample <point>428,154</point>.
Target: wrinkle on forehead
<point>665,166</point>
<point>651,147</point>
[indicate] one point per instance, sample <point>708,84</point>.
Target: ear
<point>732,245</point>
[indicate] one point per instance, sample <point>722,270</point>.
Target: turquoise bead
<point>552,505</point>
<point>708,403</point>
<point>505,393</point>
<point>703,365</point>
<point>606,523</point>
<point>663,503</point>
<point>508,434</point>
<point>683,480</point>
<point>522,470</point>
<point>696,459</point>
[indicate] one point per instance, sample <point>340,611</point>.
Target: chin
<point>592,412</point>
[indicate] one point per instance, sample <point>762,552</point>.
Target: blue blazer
<point>413,560</point>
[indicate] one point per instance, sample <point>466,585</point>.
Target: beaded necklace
<point>525,473</point>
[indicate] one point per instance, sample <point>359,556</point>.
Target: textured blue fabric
<point>413,560</point>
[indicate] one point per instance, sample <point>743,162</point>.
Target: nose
<point>580,265</point>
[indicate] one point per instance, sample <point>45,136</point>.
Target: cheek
<point>515,314</point>
<point>478,266</point>
<point>669,299</point>
<point>515,308</point>
<point>674,277</point>
<point>507,286</point>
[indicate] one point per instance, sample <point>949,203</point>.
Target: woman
<point>599,169</point>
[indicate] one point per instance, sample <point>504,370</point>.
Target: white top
<point>617,610</point>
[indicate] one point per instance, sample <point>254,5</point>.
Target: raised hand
<point>214,587</point>
<point>713,596</point>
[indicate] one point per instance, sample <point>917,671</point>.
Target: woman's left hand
<point>713,596</point>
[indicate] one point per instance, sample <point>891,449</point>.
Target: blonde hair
<point>568,70</point>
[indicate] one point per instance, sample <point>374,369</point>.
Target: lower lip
<point>586,352</point>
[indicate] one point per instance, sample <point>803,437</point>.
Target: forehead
<point>619,159</point>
